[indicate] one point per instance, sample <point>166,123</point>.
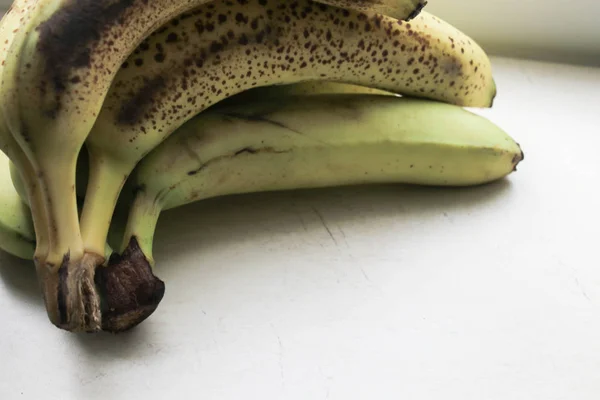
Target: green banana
<point>299,142</point>
<point>11,23</point>
<point>200,58</point>
<point>17,235</point>
<point>58,70</point>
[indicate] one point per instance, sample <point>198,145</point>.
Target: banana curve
<point>331,140</point>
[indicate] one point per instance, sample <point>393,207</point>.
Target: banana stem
<point>141,224</point>
<point>56,180</point>
<point>29,191</point>
<point>129,289</point>
<point>38,214</point>
<point>65,276</point>
<point>106,179</point>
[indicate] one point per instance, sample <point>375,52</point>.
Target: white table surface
<point>382,292</point>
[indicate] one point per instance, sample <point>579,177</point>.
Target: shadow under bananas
<point>117,347</point>
<point>20,278</point>
<point>219,223</point>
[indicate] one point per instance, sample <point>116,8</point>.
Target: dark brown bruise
<point>67,39</point>
<point>129,290</point>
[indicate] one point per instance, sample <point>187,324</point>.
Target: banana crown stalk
<point>57,72</point>
<point>17,232</point>
<point>123,75</point>
<point>18,184</point>
<point>309,142</point>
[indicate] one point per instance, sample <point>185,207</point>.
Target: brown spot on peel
<point>134,108</point>
<point>68,37</point>
<point>129,290</point>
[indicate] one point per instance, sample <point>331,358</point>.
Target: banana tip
<point>415,13</point>
<point>493,95</point>
<point>518,157</point>
<point>130,291</point>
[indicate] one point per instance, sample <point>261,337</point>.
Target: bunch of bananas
<point>115,110</point>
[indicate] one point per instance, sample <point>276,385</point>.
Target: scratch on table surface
<point>89,379</point>
<point>581,288</point>
<point>279,354</point>
<point>302,222</point>
<point>327,385</point>
<point>365,275</point>
<point>325,225</point>
<point>343,235</point>
<point>526,75</point>
<point>576,280</point>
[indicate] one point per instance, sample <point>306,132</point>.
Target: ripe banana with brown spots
<point>290,142</point>
<point>205,56</point>
<point>56,76</point>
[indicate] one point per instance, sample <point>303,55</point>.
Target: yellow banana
<point>307,142</point>
<point>58,70</point>
<point>11,23</point>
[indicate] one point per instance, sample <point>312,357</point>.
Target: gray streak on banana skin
<point>245,150</point>
<point>191,152</point>
<point>162,194</point>
<point>262,118</point>
<point>257,117</point>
